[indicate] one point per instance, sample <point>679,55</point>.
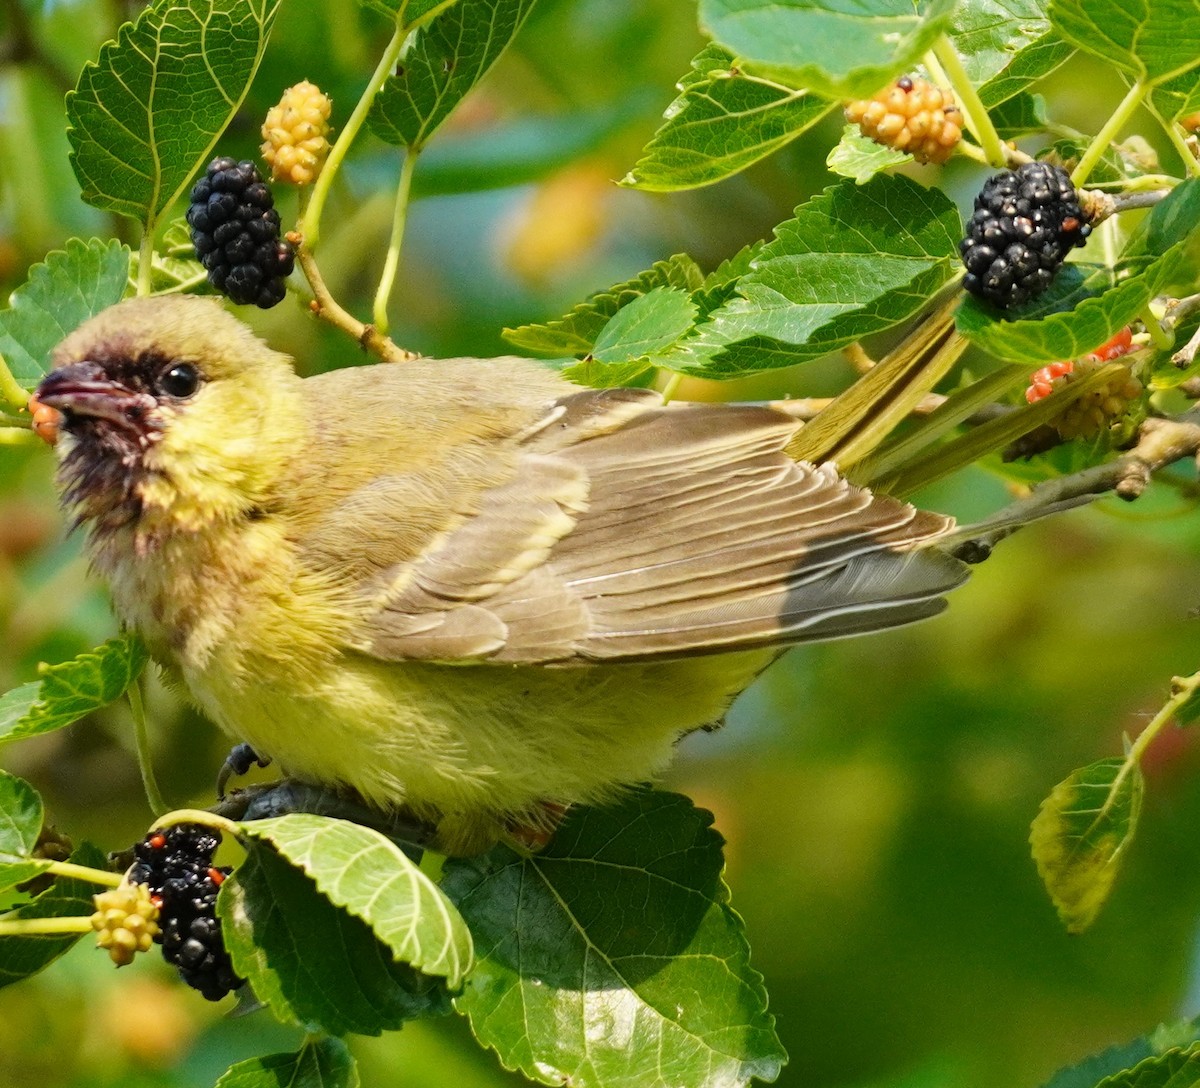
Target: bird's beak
<point>84,390</point>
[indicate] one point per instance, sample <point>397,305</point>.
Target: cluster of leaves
<point>335,927</point>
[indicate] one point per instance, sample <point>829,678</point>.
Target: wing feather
<point>634,531</point>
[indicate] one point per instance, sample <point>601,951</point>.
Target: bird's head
<point>174,415</point>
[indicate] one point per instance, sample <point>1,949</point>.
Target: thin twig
<point>1100,205</point>
<point>327,308</point>
<point>1160,442</point>
<point>1186,355</point>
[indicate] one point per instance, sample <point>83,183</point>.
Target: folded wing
<point>632,531</point>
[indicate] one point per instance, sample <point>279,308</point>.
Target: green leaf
<point>67,897</point>
<point>319,1063</point>
<point>575,333</point>
<point>20,817</point>
<point>839,50</point>
<point>861,158</point>
<point>174,265</point>
<point>150,110</point>
<point>13,873</point>
<point>310,960</point>
<point>1005,46</point>
<point>613,957</point>
<point>1098,308</point>
<point>648,324</point>
<point>368,875</point>
<point>1020,115</point>
<point>1177,97</point>
<point>1143,37</point>
<point>412,10</point>
<point>597,375</point>
<point>720,284</point>
<point>69,690</point>
<point>1166,1038</point>
<point>1080,835</point>
<point>722,122</point>
<point>1174,1069</point>
<point>60,294</point>
<point>856,259</point>
<point>451,55</point>
<point>20,825</point>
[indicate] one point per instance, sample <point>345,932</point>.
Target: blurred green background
<point>876,793</point>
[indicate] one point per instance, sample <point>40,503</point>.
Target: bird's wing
<point>631,531</point>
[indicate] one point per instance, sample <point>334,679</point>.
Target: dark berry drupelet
<point>235,231</point>
<point>177,865</point>
<point>1025,223</point>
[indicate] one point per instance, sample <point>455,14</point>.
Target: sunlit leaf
<point>1178,97</point>
<point>368,875</point>
<point>613,958</point>
<point>452,54</point>
<point>861,158</point>
<point>856,259</point>
<point>1174,1069</point>
<point>840,50</point>
<point>1005,45</point>
<point>310,960</point>
<point>149,111</point>
<point>575,333</point>
<point>1080,835</point>
<point>69,690</point>
<point>648,324</point>
<point>58,295</point>
<point>319,1063</point>
<point>1095,1069</point>
<point>1143,37</point>
<point>20,817</point>
<point>722,122</point>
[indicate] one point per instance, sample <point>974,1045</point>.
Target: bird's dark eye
<point>179,381</point>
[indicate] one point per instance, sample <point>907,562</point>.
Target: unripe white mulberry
<point>911,115</point>
<point>125,921</point>
<point>295,134</point>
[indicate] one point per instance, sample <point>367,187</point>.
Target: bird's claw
<point>240,759</point>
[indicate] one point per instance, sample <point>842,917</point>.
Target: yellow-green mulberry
<point>296,134</point>
<point>911,115</point>
<point>125,921</point>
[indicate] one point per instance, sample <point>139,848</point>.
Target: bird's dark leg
<point>260,802</point>
<point>240,759</point>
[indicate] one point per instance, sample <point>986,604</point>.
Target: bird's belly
<point>488,739</point>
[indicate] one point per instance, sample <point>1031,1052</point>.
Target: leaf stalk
<point>391,264</point>
<point>974,111</point>
<point>41,927</point>
<point>12,392</point>
<point>141,737</point>
<point>310,221</point>
<point>1108,132</point>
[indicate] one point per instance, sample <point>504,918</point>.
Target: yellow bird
<point>462,586</point>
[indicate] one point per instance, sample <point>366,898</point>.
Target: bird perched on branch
<point>463,586</point>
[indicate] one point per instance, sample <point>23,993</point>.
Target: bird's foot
<point>239,761</point>
<point>289,796</point>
